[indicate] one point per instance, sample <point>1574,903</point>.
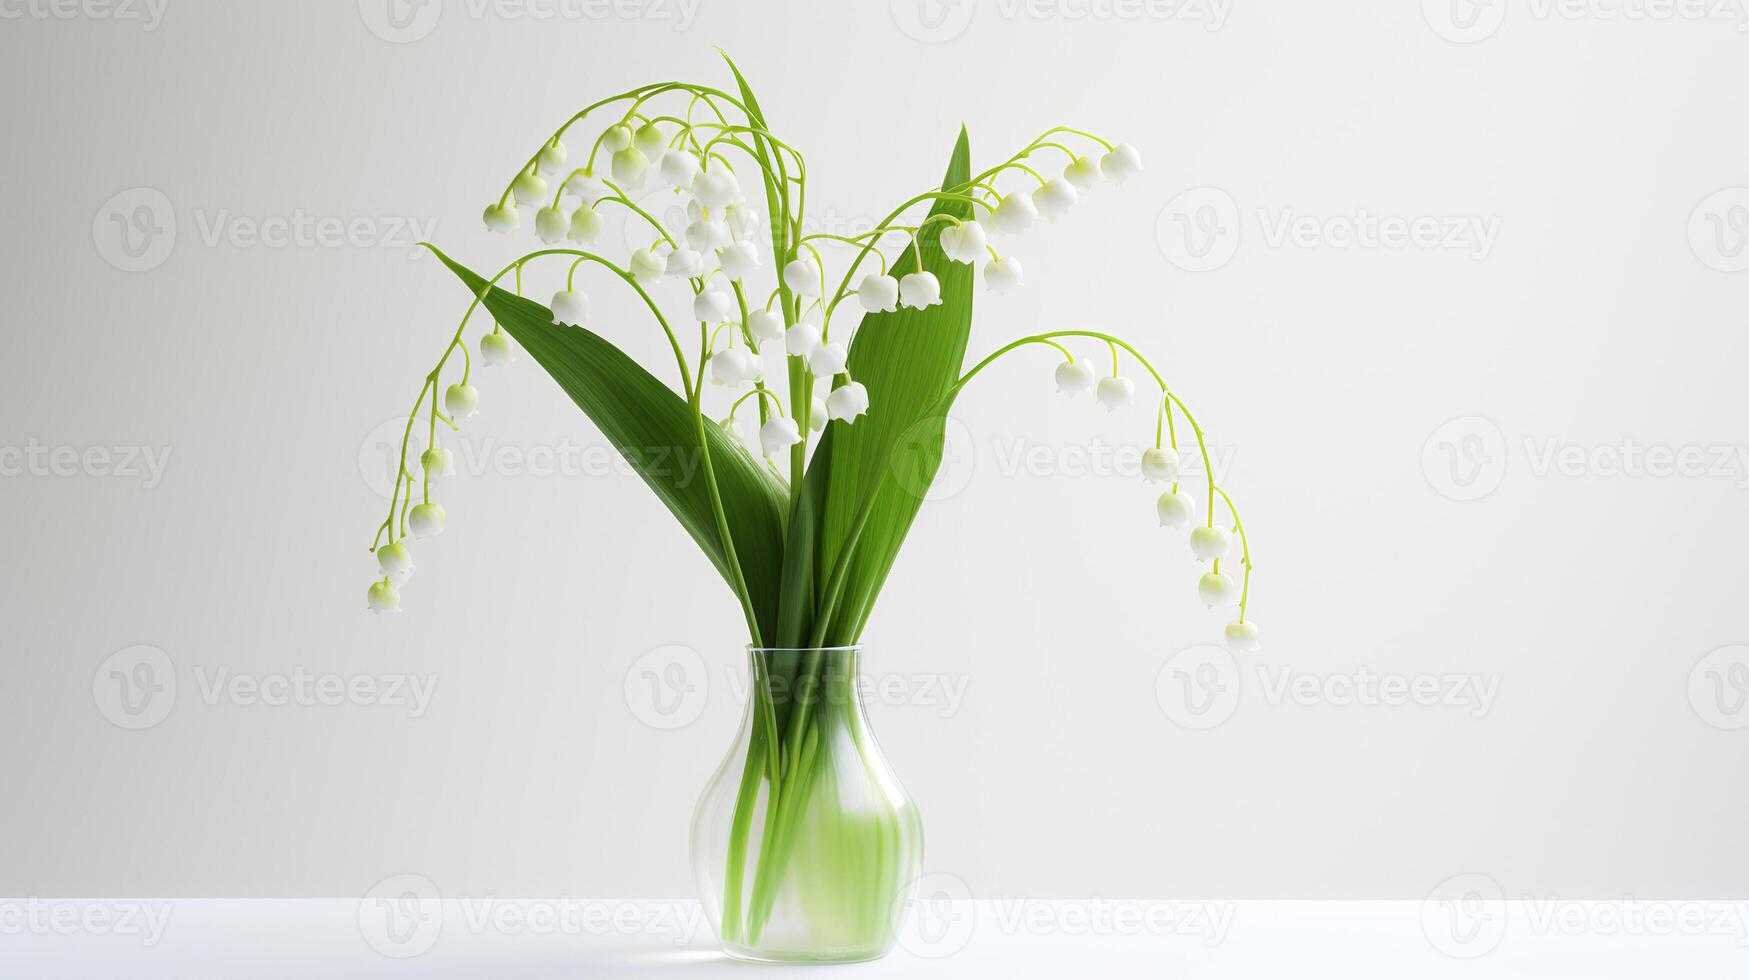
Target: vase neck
<point>826,675</point>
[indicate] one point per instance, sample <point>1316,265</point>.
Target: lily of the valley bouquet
<point>845,352</point>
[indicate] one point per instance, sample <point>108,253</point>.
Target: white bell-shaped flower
<point>551,224</point>
<point>802,339</point>
<point>1074,377</point>
<point>1003,274</point>
<point>383,597</point>
<point>765,325</point>
<point>1123,161</point>
<point>828,360</point>
<point>778,433</point>
<point>705,234</point>
<point>437,463</point>
<point>395,562</point>
<point>733,366</point>
<point>616,138</point>
<point>1114,392</point>
<point>496,351</point>
<point>530,188</point>
<point>586,224</point>
<point>649,140</point>
<point>461,400</point>
<point>919,290</point>
<point>570,308</point>
<point>501,218</point>
<point>846,402</point>
<point>1055,198</point>
<point>1243,637</point>
<point>716,187</point>
<point>712,306</point>
<point>678,168</point>
<point>1084,172</point>
<point>1217,589</point>
<point>684,263</point>
<point>552,157</point>
<point>743,219</point>
<point>878,293</point>
<point>647,266</point>
<point>802,276</point>
<point>738,259</point>
<point>1176,508</point>
<point>964,242</point>
<point>817,414</point>
<point>1209,543</point>
<point>1160,464</point>
<point>427,520</point>
<point>1014,214</point>
<point>629,167</point>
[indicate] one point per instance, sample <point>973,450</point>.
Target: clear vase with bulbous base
<point>804,845</point>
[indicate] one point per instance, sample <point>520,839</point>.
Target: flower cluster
<point>710,246</point>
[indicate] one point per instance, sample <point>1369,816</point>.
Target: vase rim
<point>852,648</point>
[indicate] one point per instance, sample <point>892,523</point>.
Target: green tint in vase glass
<point>805,846</point>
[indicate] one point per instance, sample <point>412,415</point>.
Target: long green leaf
<point>654,429</point>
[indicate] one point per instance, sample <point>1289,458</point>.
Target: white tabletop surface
<point>497,938</point>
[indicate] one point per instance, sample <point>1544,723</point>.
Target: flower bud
<point>802,339</point>
<point>704,234</point>
<point>383,597</point>
<point>629,166</point>
<point>1160,464</point>
<point>1054,199</point>
<point>437,462</point>
<point>461,401</point>
<point>803,277</point>
<point>738,259</point>
<point>586,224</point>
<point>1209,543</point>
<point>1003,274</point>
<point>765,325</point>
<point>570,308</point>
<point>616,138</point>
<point>712,306</point>
<point>919,290</point>
<point>1084,172</point>
<point>828,361</point>
<point>426,520</point>
<point>733,366</point>
<point>1074,377</point>
<point>817,414</point>
<point>846,402</point>
<point>779,433</point>
<point>678,168</point>
<point>551,224</point>
<point>1114,392</point>
<point>647,266</point>
<point>964,242</point>
<point>684,263</point>
<point>530,188</point>
<point>395,562</point>
<point>1242,637</point>
<point>501,218</point>
<point>1123,161</point>
<point>878,293</point>
<point>649,140</point>
<point>1217,589</point>
<point>495,350</point>
<point>1176,508</point>
<point>715,188</point>
<point>552,157</point>
<point>1014,214</point>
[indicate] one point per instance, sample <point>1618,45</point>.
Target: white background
<point>1606,310</point>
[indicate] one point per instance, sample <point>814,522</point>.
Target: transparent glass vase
<point>804,845</point>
